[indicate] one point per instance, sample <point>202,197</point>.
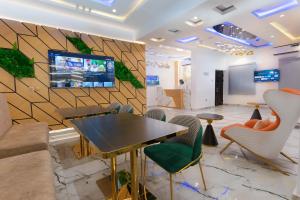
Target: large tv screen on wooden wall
<point>73,70</point>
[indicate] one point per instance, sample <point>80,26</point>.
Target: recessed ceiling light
<point>187,39</point>
<point>281,16</point>
<point>173,30</point>
<point>224,9</point>
<point>272,36</point>
<point>180,50</point>
<point>114,10</point>
<point>195,18</point>
<point>194,23</point>
<point>159,39</point>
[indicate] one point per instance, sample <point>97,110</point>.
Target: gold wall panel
<point>31,99</point>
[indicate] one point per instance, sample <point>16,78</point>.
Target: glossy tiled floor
<point>234,175</point>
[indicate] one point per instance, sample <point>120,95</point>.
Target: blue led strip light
<point>272,10</point>
<point>108,3</point>
<point>187,39</point>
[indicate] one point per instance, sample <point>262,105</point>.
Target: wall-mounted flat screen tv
<point>152,80</point>
<point>272,75</point>
<point>73,70</point>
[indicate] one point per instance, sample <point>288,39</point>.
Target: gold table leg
<point>114,189</point>
<point>134,179</point>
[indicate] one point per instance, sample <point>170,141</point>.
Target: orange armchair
<point>286,108</point>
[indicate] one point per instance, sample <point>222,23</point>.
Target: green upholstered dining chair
<point>114,107</point>
<point>158,114</point>
<point>179,153</point>
<point>126,109</point>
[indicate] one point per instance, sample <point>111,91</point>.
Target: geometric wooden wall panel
<point>31,99</point>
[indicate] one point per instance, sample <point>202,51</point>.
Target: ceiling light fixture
<point>284,31</point>
<point>281,16</point>
<point>180,50</point>
<point>159,39</point>
<point>194,22</point>
<point>114,10</point>
<point>227,30</point>
<point>173,30</point>
<point>187,39</point>
<point>274,9</point>
<point>224,9</point>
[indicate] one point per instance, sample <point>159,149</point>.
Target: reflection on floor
<point>234,175</point>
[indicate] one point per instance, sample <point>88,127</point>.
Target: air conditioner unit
<point>287,49</point>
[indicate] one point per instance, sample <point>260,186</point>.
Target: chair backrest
<point>126,109</point>
<point>194,136</point>
<point>287,107</point>
<point>114,107</point>
<point>158,114</point>
<point>5,118</point>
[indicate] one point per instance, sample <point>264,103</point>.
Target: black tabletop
<point>72,113</point>
<point>210,116</point>
<point>117,132</point>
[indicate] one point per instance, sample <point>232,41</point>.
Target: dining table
<point>116,134</point>
<point>80,150</point>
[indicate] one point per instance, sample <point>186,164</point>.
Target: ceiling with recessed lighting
<point>278,27</point>
<point>177,24</point>
<point>121,19</point>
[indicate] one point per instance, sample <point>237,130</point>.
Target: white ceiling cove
<point>141,20</point>
<point>131,20</point>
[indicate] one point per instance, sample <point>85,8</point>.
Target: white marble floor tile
<point>235,175</point>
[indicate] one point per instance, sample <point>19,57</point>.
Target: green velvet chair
<point>157,114</point>
<point>180,153</point>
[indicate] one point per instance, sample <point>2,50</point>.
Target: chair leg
<point>276,168</point>
<point>230,143</point>
<point>141,157</point>
<point>289,158</point>
<point>267,161</point>
<point>202,175</point>
<point>144,178</point>
<point>171,186</point>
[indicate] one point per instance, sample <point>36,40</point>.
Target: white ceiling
<point>132,20</point>
<point>140,20</point>
<point>241,17</point>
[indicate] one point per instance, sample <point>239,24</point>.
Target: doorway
<point>219,79</point>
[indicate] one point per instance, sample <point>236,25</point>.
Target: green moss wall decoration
<point>16,63</point>
<point>121,71</point>
<point>80,45</point>
<point>124,74</point>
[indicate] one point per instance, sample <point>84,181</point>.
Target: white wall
<point>265,60</point>
<point>204,64</point>
<point>166,78</point>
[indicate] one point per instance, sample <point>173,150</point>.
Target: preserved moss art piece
<point>16,63</point>
<point>124,74</point>
<point>121,71</point>
<point>80,45</point>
